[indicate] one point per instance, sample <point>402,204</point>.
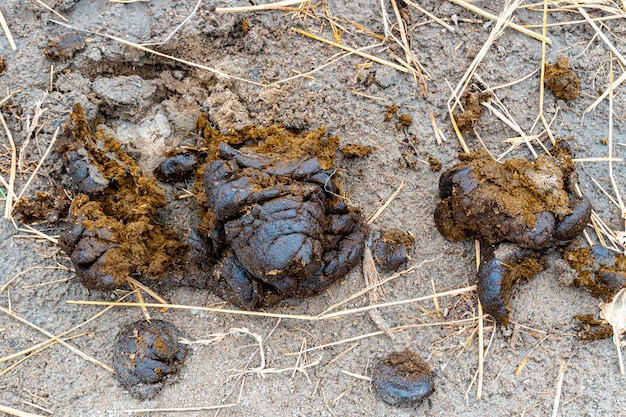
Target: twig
<point>279,315</point>
<point>372,279</point>
<point>542,89</point>
<point>481,356</point>
<point>44,5</point>
<point>41,161</point>
<point>161,54</point>
<point>384,206</point>
<point>379,333</point>
<point>453,101</point>
<point>187,19</point>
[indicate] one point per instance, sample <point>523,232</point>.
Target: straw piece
<point>7,32</point>
<point>44,5</point>
<point>16,412</point>
<point>67,345</point>
<point>8,206</point>
<point>270,6</point>
<point>429,14</point>
<point>354,51</point>
<point>507,23</point>
<point>279,315</point>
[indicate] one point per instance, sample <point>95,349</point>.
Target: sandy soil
<point>151,103</point>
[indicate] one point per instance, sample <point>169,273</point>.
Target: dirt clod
<point>393,247</point>
<point>64,46</point>
<point>405,119</point>
<point>403,378</point>
<point>147,356</point>
<point>561,80</point>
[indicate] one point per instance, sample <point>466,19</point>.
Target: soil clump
<point>355,151</point>
<point>598,269</point>
<point>44,207</point>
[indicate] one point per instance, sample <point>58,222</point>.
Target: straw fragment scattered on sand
<point>7,31</point>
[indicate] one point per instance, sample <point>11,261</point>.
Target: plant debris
<point>592,328</point>
<point>148,356</point>
<point>561,80</point>
<point>3,66</point>
<point>615,313</point>
<point>393,247</point>
<point>64,46</point>
<point>403,378</point>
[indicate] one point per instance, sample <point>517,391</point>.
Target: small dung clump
<point>392,249</point>
<point>51,207</point>
<point>112,232</point>
<point>599,269</point>
<point>352,150</point>
<point>472,111</point>
<point>391,112</point>
<point>531,203</point>
<point>561,80</point>
<point>64,46</point>
<point>147,356</point>
<point>176,168</point>
<point>501,268</point>
<point>403,379</point>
